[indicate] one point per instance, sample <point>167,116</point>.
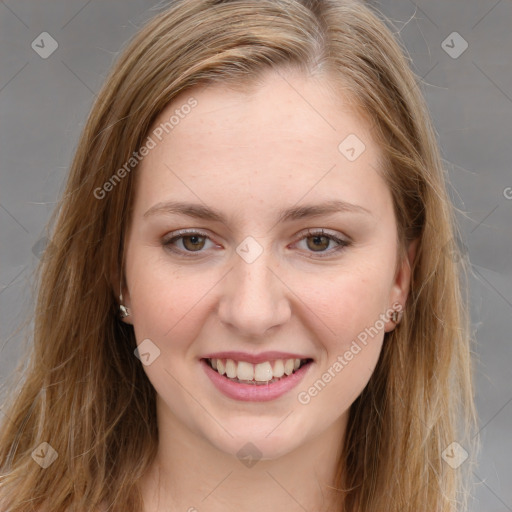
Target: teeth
<point>245,371</point>
<point>278,368</point>
<point>261,372</point>
<point>231,368</point>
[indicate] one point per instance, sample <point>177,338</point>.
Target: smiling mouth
<point>259,374</point>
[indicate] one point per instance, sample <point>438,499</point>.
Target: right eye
<point>192,241</point>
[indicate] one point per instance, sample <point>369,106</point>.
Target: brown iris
<point>194,245</point>
<point>317,237</point>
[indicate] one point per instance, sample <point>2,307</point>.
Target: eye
<point>193,241</point>
<point>320,240</point>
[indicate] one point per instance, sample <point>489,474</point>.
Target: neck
<point>190,474</point>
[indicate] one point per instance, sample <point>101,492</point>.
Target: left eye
<point>320,239</point>
<point>194,241</point>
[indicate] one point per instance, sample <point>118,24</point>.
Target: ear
<point>401,285</point>
<point>119,287</point>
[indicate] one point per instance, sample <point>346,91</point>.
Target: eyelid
<point>323,231</point>
<point>186,231</point>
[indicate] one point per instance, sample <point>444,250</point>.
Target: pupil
<point>194,239</point>
<point>316,239</point>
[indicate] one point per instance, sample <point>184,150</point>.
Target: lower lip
<point>255,392</point>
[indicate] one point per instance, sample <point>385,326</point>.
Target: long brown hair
<point>85,394</point>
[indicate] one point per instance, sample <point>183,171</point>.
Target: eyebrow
<point>200,211</point>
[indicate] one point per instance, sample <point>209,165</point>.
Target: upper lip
<point>255,358</point>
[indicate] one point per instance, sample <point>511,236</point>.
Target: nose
<point>255,297</point>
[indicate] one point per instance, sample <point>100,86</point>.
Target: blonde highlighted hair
<point>82,389</point>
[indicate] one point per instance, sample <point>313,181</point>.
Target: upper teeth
<point>261,372</point>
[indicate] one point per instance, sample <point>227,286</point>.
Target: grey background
<point>44,104</point>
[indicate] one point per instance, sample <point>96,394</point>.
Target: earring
<point>123,310</point>
<point>396,317</point>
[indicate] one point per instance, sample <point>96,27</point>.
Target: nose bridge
<point>255,299</point>
<point>254,273</point>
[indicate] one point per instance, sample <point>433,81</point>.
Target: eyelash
<point>167,242</point>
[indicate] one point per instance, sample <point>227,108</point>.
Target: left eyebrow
<point>316,210</point>
<point>200,211</point>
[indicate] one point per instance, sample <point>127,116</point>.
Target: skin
<point>250,155</point>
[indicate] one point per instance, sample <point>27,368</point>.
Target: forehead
<point>278,104</point>
<point>285,138</point>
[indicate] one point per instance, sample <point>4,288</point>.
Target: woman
<point>314,354</point>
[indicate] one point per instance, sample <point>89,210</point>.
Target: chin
<point>256,443</point>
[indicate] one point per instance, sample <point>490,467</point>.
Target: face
<point>260,284</point>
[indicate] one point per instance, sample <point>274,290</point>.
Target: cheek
<point>349,333</point>
<point>170,302</point>
<point>346,314</point>
<point>167,303</point>
<point>340,382</point>
<point>347,301</point>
